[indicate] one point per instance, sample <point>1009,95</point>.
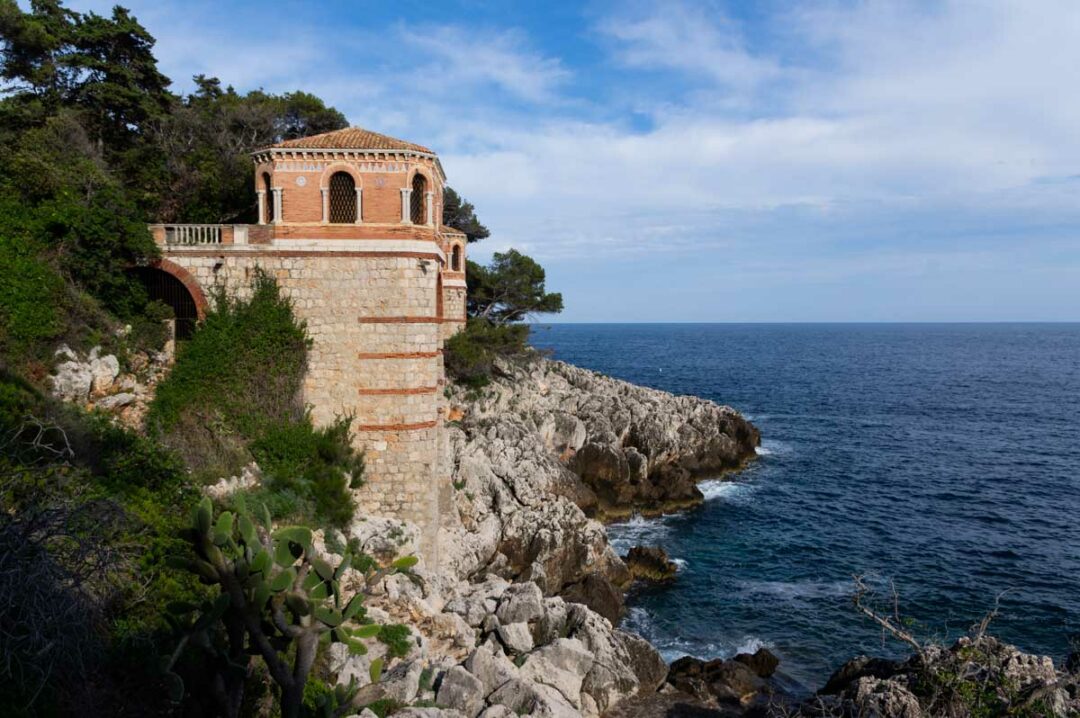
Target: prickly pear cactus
<point>274,594</point>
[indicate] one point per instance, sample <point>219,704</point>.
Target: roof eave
<point>416,153</point>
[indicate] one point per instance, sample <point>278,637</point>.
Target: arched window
<point>418,207</point>
<point>342,198</point>
<point>268,193</point>
<point>455,258</point>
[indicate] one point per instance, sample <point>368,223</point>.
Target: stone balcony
<point>210,236</point>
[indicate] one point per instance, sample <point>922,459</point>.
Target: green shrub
<point>245,364</point>
<point>315,464</point>
<point>234,396</point>
<point>470,354</point>
<point>397,638</point>
<point>89,511</point>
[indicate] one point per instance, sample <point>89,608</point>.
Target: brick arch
<point>425,173</point>
<point>335,167</point>
<point>188,280</point>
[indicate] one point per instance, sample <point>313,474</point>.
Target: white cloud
<point>676,36</point>
<point>859,134</point>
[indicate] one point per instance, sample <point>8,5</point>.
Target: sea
<point>939,462</point>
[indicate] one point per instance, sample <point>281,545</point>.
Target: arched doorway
<point>164,287</point>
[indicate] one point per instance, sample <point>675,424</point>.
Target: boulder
<point>716,680</point>
<point>460,690</point>
<point>856,668</point>
<point>762,662</point>
<point>72,381</point>
<point>491,667</point>
<point>516,637</point>
<point>877,698</point>
<point>115,401</point>
<point>384,538</point>
<point>533,699</point>
<point>624,664</point>
<point>650,563</point>
<point>103,370</point>
<point>522,602</point>
<point>402,682</point>
<point>599,594</point>
<point>561,665</point>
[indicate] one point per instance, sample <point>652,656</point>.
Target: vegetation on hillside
<point>233,396</point>
<point>93,146</point>
<point>88,515</point>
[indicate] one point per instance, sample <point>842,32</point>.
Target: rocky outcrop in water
<point>547,448</point>
<point>650,563</point>
<point>975,676</point>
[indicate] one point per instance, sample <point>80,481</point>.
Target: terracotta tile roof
<point>350,138</point>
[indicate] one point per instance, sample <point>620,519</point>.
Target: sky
<point>712,161</point>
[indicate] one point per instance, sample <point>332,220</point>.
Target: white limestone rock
<point>103,370</point>
<point>491,667</point>
<point>533,699</point>
<point>516,637</point>
<point>116,401</point>
<point>250,477</point>
<point>522,602</point>
<point>385,538</point>
<point>72,381</point>
<point>561,665</point>
<point>461,690</point>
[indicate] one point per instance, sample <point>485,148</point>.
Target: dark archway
<point>164,287</point>
<point>455,258</point>
<point>418,210</point>
<point>268,194</point>
<point>342,198</point>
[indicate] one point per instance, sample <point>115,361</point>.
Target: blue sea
<point>943,460</point>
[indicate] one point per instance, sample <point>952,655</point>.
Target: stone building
<point>350,225</point>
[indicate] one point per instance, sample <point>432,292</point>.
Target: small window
<point>455,258</point>
<point>418,209</point>
<point>342,198</point>
<point>268,193</point>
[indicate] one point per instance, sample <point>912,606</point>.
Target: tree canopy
<point>461,215</point>
<point>509,289</point>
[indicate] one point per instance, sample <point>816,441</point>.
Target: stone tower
<point>350,225</point>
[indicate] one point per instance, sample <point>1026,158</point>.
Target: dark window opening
<point>268,192</point>
<point>164,287</point>
<point>342,198</point>
<point>417,210</point>
<point>455,258</point>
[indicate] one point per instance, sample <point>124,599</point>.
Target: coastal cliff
<point>547,450</point>
<point>520,616</point>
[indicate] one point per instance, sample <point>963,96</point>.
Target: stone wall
<point>374,319</point>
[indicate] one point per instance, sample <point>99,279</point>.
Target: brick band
<point>399,355</point>
<point>398,392</point>
<point>397,427</point>
<point>400,320</point>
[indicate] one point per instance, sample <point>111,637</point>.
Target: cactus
<point>274,595</point>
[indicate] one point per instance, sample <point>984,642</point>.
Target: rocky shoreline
<point>520,616</point>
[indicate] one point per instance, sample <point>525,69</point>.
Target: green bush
<point>234,396</point>
<point>470,354</point>
<point>315,464</point>
<point>244,365</point>
<point>88,514</point>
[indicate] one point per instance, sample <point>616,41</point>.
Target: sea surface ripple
<point>942,459</point>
